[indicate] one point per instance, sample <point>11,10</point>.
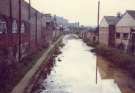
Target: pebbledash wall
<point>33,30</point>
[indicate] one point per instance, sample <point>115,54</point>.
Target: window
<point>3,27</point>
<point>125,36</point>
<point>14,27</point>
<point>22,28</point>
<point>117,35</point>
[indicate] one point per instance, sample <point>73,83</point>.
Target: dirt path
<point>122,78</point>
<point>20,87</point>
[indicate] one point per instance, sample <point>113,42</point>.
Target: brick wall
<point>32,37</point>
<point>4,7</point>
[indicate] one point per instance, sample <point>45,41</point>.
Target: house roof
<point>112,20</point>
<point>131,13</point>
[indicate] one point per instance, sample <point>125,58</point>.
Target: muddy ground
<point>122,78</point>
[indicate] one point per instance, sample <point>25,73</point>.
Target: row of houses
<point>37,30</point>
<point>88,34</point>
<point>118,31</point>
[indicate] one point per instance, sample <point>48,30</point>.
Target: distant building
<point>74,26</point>
<point>61,21</point>
<point>88,33</point>
<point>92,36</point>
<point>49,23</point>
<point>107,30</point>
<point>125,35</point>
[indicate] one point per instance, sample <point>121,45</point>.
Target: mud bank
<point>44,70</point>
<point>108,71</point>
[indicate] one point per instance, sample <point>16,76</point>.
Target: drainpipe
<point>29,10</point>
<point>10,23</point>
<point>20,18</point>
<point>9,32</point>
<point>10,9</point>
<point>42,34</point>
<point>36,40</point>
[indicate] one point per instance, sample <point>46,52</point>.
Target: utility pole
<point>98,17</point>
<point>20,18</point>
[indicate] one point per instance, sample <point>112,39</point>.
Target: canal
<point>74,71</point>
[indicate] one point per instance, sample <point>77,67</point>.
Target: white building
<point>125,36</point>
<point>107,30</point>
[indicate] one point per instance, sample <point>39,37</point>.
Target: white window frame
<point>3,27</point>
<point>14,27</point>
<point>22,28</point>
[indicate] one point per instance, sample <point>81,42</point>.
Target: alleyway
<point>74,71</point>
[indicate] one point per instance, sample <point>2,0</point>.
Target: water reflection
<point>74,71</point>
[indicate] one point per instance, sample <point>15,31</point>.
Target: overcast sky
<point>84,11</point>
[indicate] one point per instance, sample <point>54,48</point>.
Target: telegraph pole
<point>98,17</point>
<point>20,18</point>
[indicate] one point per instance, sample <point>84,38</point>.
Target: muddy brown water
<point>74,71</point>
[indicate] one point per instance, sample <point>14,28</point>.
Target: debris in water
<point>59,60</point>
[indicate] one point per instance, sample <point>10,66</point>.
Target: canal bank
<point>27,79</point>
<point>109,71</point>
<point>116,64</point>
<point>74,71</point>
